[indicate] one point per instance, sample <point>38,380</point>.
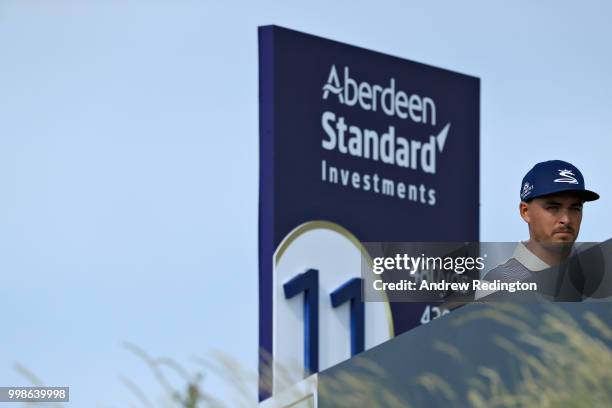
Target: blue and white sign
<point>355,146</point>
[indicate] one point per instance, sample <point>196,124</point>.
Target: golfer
<point>552,196</point>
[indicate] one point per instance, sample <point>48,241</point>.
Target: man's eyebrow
<point>557,203</point>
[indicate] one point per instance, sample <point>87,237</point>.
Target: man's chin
<point>561,243</point>
<point>563,237</point>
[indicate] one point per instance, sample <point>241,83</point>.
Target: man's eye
<point>578,209</point>
<point>552,207</point>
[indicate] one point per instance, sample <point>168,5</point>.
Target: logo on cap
<point>566,177</point>
<point>527,189</point>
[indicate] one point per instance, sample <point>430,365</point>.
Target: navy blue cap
<point>554,176</point>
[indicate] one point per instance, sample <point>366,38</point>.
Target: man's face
<point>553,219</point>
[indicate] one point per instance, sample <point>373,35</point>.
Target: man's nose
<point>564,217</point>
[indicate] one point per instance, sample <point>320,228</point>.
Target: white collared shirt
<point>530,260</point>
<point>526,258</point>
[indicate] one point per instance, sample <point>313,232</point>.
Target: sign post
<point>355,146</point>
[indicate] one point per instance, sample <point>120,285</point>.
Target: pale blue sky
<point>128,160</point>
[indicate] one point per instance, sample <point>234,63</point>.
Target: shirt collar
<point>528,258</point>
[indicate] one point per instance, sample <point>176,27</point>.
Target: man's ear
<point>524,211</point>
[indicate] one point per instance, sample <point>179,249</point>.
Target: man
<point>552,195</point>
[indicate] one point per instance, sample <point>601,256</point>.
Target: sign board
<point>355,146</point>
